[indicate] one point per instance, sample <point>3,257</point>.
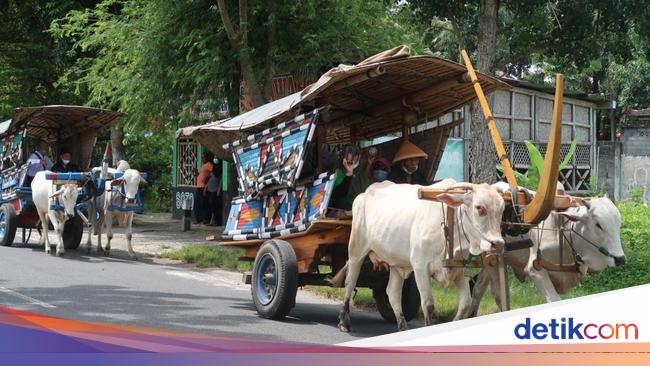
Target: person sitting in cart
<point>37,161</point>
<point>380,170</point>
<point>349,184</point>
<point>65,165</point>
<point>407,159</point>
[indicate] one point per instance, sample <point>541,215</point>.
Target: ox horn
<point>462,185</point>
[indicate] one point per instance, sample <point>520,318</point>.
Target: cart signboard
<point>279,213</point>
<point>274,156</point>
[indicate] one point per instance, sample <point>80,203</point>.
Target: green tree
<point>30,60</point>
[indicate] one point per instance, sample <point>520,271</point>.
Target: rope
<point>601,250</point>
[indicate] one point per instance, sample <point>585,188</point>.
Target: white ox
<point>43,195</point>
<point>592,231</point>
<point>407,233</point>
<point>118,192</point>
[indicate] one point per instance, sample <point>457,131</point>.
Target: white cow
<point>43,195</point>
<point>118,192</point>
<point>592,231</point>
<point>406,233</point>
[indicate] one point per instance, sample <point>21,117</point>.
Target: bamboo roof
<point>58,122</point>
<point>363,101</point>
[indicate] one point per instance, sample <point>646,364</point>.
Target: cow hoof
<point>402,325</point>
<point>344,328</point>
<point>107,252</point>
<point>60,254</point>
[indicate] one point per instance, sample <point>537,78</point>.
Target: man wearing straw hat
<point>408,160</point>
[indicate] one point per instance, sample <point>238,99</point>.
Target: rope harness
<point>542,263</point>
<point>139,205</point>
<point>448,224</point>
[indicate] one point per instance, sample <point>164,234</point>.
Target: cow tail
<point>339,279</point>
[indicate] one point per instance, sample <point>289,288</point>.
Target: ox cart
<point>73,127</point>
<point>281,218</point>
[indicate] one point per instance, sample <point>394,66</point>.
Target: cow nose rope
<point>601,250</point>
<point>449,234</point>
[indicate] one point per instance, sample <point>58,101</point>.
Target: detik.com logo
<point>569,328</point>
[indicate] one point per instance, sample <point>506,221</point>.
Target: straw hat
<point>408,150</point>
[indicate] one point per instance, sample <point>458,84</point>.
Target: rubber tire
<point>10,224</point>
<point>410,301</point>
<point>286,265</point>
<point>72,233</point>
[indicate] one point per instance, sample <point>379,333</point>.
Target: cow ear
<point>454,199</point>
<point>575,213</point>
<point>117,182</point>
<point>57,193</point>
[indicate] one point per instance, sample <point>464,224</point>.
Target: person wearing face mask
<point>64,165</point>
<point>407,160</point>
<point>380,170</point>
<point>37,161</point>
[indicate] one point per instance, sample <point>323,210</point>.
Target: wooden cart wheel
<point>410,300</point>
<point>72,232</point>
<point>274,282</point>
<point>8,224</point>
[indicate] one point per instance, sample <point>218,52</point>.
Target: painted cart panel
<point>274,156</point>
<point>280,213</point>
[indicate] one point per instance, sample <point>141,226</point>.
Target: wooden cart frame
<point>360,102</point>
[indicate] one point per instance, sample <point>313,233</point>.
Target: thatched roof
<point>363,101</point>
<point>59,122</point>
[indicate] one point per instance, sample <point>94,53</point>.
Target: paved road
<point>151,293</point>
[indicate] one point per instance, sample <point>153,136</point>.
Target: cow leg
<point>543,283</point>
<point>354,267</point>
<point>423,281</point>
<point>394,292</point>
<point>91,215</point>
<point>44,224</point>
<point>464,295</point>
<point>478,291</point>
<point>129,222</point>
<point>58,229</point>
<point>100,223</point>
<point>109,232</point>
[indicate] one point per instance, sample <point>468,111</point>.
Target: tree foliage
<point>158,60</point>
<point>30,60</point>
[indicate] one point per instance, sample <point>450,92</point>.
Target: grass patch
<point>206,255</point>
<point>635,236</point>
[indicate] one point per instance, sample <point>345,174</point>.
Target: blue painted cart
<point>72,127</point>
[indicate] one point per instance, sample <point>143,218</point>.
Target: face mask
<point>379,175</point>
<point>66,162</point>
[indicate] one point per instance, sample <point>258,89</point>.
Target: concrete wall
<point>636,174</point>
<point>635,162</point>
